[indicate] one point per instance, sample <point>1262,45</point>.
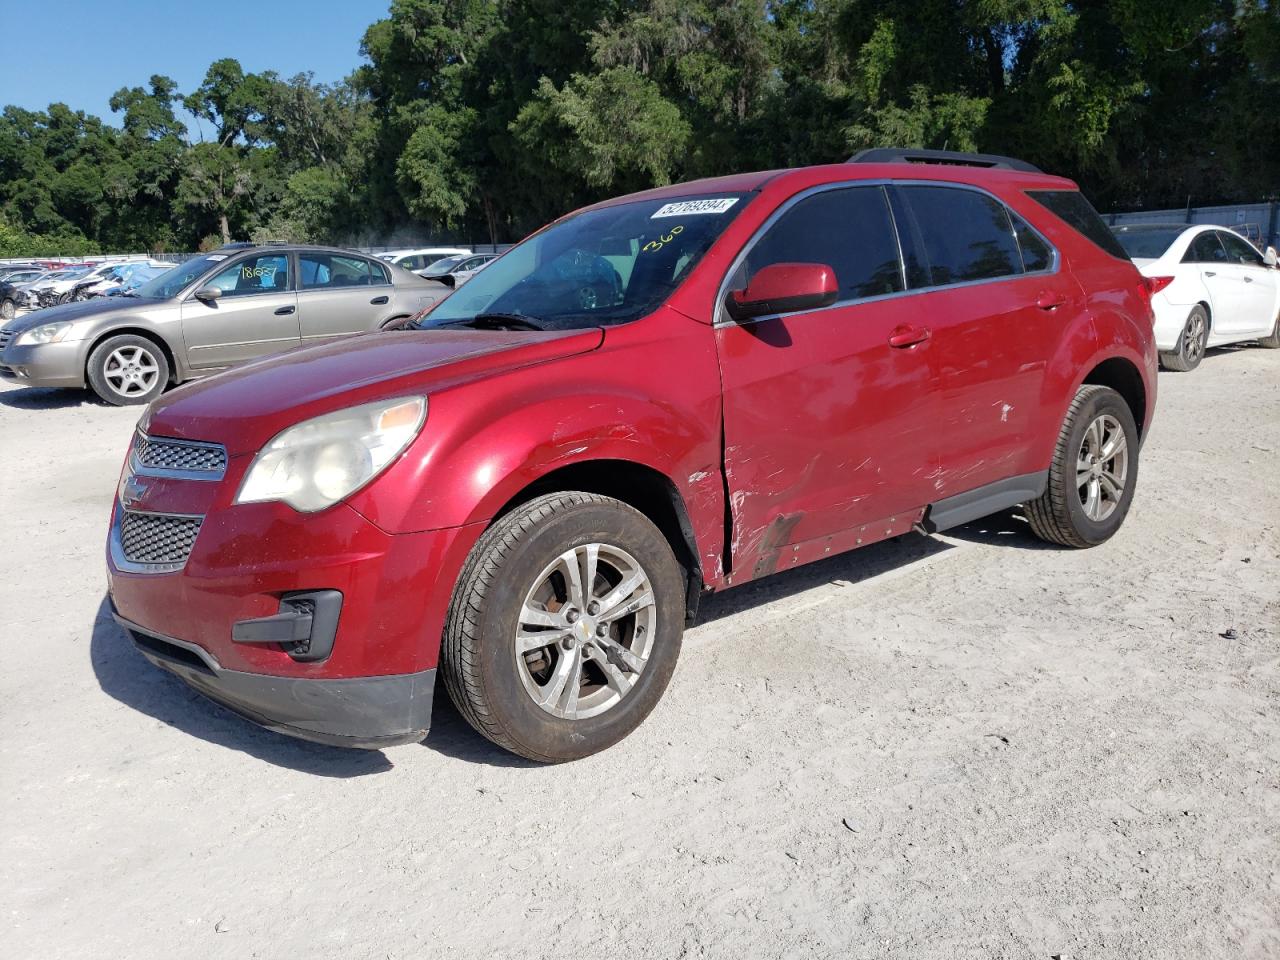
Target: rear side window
<point>1071,207</point>
<point>848,230</point>
<point>1205,248</point>
<point>326,270</point>
<point>966,235</point>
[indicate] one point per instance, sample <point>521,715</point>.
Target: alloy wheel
<point>1193,338</point>
<point>586,631</point>
<point>1102,467</point>
<point>131,371</point>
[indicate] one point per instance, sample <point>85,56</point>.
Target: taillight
<point>1156,284</point>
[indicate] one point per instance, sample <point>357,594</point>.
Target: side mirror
<point>208,294</point>
<point>784,288</point>
<point>1270,256</point>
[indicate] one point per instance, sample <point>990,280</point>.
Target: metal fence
<point>1258,222</point>
<point>179,257</point>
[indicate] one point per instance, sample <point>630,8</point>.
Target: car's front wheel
<point>1272,340</point>
<point>1191,342</point>
<point>565,626</point>
<point>128,369</point>
<point>7,309</point>
<point>1093,474</point>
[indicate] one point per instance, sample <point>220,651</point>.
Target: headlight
<point>321,461</point>
<point>48,333</point>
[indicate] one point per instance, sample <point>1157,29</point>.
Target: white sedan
<point>1211,286</point>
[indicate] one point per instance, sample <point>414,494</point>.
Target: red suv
<point>659,396</point>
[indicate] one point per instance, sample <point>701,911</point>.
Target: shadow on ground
<point>48,398</point>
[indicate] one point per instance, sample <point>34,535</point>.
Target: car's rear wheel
<point>128,369</point>
<point>1093,474</point>
<point>565,626</point>
<point>1272,340</point>
<point>7,309</point>
<point>1191,342</point>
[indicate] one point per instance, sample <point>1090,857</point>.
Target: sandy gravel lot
<point>968,746</point>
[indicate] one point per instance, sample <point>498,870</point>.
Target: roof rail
<point>991,161</point>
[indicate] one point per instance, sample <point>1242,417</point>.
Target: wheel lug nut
<point>602,630</point>
<point>593,608</point>
<point>572,616</point>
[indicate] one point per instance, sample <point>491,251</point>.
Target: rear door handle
<point>1248,279</point>
<point>284,311</point>
<point>1050,301</point>
<point>380,300</point>
<point>908,336</point>
<point>1210,273</point>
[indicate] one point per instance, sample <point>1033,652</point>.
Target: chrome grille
<point>159,453</point>
<point>157,537</point>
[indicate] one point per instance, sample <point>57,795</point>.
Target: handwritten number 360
<point>653,246</point>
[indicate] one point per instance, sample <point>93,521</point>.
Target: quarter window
<point>331,270</point>
<point>1205,248</point>
<point>265,274</point>
<point>967,235</point>
<point>848,230</point>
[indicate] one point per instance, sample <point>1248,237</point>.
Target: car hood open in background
<point>244,408</point>
<point>74,311</point>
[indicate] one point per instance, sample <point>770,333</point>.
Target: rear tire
<point>127,369</point>
<point>1093,474</point>
<point>603,666</point>
<point>1191,342</point>
<point>1272,342</point>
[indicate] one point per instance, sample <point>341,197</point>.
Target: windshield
<point>606,266</point>
<point>1147,243</point>
<point>173,280</point>
<point>441,266</point>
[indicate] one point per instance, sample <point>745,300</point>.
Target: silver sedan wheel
<point>586,631</point>
<point>1193,337</point>
<point>1102,467</point>
<point>131,371</point>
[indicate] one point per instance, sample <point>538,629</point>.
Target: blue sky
<point>79,52</point>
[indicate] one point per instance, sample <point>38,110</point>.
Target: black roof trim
<point>990,161</point>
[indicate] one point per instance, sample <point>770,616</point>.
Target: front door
<point>256,315</point>
<point>1255,288</point>
<point>828,428</point>
<point>340,294</point>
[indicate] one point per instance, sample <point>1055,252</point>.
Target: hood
<point>72,311</point>
<point>245,407</point>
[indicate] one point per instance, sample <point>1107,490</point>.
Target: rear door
<point>1209,257</point>
<point>997,305</point>
<point>255,316</point>
<point>1255,288</point>
<point>827,426</point>
<point>340,294</point>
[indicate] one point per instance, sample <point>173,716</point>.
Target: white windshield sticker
<point>217,256</point>
<point>687,207</point>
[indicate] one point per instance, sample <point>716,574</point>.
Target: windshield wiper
<point>499,321</point>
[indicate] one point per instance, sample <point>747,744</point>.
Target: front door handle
<point>1210,273</point>
<point>1050,301</point>
<point>380,300</point>
<point>1248,279</point>
<point>908,336</point>
<point>284,311</point>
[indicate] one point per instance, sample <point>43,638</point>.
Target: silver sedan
<point>207,314</point>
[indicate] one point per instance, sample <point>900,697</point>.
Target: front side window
<point>966,235</point>
<point>605,266</point>
<point>332,270</point>
<point>847,229</point>
<point>268,273</point>
<point>1205,248</point>
<point>1240,250</point>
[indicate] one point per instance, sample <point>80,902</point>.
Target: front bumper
<point>43,364</point>
<point>366,712</point>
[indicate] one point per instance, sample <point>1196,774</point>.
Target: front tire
<point>1191,342</point>
<point>127,369</point>
<point>565,626</point>
<point>7,310</point>
<point>1093,474</point>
